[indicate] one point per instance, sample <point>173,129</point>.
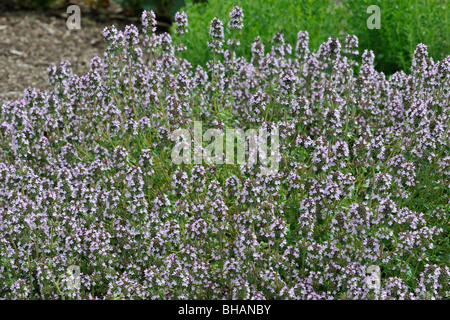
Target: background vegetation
<point>404,24</point>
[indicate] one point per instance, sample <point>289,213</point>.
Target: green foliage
<point>262,18</point>
<point>404,24</point>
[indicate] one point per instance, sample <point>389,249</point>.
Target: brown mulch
<point>31,41</point>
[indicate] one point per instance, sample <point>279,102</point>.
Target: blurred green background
<point>404,24</point>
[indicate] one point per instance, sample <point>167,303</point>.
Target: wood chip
<point>31,41</point>
<point>17,53</point>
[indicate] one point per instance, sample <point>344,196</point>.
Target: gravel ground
<point>31,41</point>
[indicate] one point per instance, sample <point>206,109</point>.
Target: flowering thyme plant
<point>86,177</point>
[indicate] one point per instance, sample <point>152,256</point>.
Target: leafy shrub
<point>404,23</point>
<point>86,177</point>
<point>263,18</point>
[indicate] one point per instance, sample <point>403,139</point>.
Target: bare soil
<point>31,41</point>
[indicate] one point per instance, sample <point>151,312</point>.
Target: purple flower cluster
<point>217,34</point>
<point>236,18</point>
<point>86,177</point>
